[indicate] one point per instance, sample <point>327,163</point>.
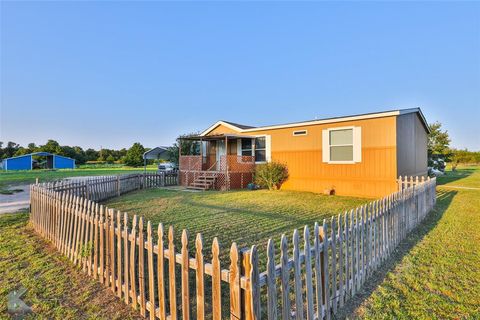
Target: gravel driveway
<point>13,202</point>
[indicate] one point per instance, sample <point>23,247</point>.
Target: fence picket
<point>216,280</point>
<point>141,267</point>
<point>333,236</point>
<point>171,275</point>
<point>285,278</point>
<point>118,237</point>
<point>308,273</point>
<point>132,264</point>
<point>151,280</point>
<point>126,264</point>
<point>341,283</point>
<point>234,282</point>
<point>326,278</point>
<point>318,272</point>
<point>161,273</point>
<point>185,268</point>
<point>297,276</point>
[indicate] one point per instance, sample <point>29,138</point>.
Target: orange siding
<point>374,176</point>
<point>221,129</point>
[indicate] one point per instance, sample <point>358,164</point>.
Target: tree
<point>464,157</point>
<point>91,155</point>
<point>32,147</point>
<point>110,159</point>
<point>52,146</point>
<point>438,140</point>
<point>10,150</point>
<point>21,151</point>
<point>134,156</point>
<point>79,155</point>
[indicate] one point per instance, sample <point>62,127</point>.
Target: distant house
<point>358,155</point>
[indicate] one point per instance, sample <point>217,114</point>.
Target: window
<point>300,133</point>
<point>260,149</point>
<point>246,147</point>
<point>341,145</point>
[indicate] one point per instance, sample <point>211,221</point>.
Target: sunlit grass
<point>440,277</point>
<point>244,217</point>
<point>29,176</point>
<point>55,289</point>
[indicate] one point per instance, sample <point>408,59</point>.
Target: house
<point>359,155</point>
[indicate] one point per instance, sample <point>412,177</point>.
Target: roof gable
<point>231,125</point>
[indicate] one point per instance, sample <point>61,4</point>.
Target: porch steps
<point>203,182</point>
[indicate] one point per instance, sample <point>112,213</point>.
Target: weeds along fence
<point>105,187</point>
<point>309,276</point>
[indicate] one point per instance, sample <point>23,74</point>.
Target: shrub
<point>271,175</point>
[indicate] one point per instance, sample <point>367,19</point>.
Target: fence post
<point>118,185</point>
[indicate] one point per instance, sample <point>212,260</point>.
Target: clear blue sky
<point>111,73</point>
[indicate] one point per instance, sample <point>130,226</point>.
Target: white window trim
<point>356,143</point>
<point>300,135</point>
<point>268,148</point>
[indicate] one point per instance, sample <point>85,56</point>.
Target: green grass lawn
<point>433,274</point>
<point>466,176</point>
<point>437,273</point>
<point>55,289</point>
<point>29,176</point>
<point>246,217</point>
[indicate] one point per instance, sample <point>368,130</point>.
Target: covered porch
<point>220,162</point>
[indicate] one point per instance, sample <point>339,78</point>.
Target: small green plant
<point>85,250</point>
<point>271,175</point>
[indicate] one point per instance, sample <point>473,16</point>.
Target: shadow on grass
<point>451,176</point>
<point>444,198</point>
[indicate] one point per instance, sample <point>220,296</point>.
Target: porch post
<point>201,154</point>
<point>227,176</point>
<point>179,156</point>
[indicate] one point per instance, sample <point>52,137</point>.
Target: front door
<point>220,152</point>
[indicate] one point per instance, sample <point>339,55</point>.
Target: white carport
<point>157,153</point>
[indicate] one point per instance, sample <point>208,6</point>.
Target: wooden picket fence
<point>106,187</point>
<point>310,279</point>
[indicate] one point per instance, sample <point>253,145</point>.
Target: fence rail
<point>164,278</point>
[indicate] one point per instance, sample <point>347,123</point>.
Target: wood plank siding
<point>386,145</point>
<point>412,138</point>
<point>374,176</point>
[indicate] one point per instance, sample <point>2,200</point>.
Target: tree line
<point>439,146</point>
<point>130,157</point>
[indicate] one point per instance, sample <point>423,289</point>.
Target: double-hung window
<point>247,147</point>
<point>342,145</point>
<point>260,149</point>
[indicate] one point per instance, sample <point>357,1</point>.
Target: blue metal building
<point>25,162</point>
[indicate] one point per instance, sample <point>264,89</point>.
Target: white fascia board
<point>216,124</point>
<point>316,122</point>
<point>420,114</point>
<point>326,121</point>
